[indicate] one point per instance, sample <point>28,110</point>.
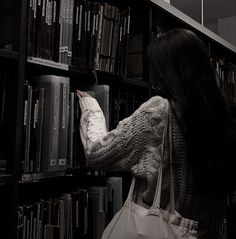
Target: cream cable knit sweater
<point>135,145</point>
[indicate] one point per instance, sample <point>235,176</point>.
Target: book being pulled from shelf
<point>102,94</point>
<point>76,156</point>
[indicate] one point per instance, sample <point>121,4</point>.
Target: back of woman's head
<point>180,65</point>
<point>181,70</point>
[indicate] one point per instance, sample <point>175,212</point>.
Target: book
<point>37,107</point>
<point>98,211</point>
<point>53,135</point>
<point>135,55</point>
<point>38,13</point>
<point>71,128</point>
<point>70,32</point>
<point>115,193</point>
<point>102,94</point>
<point>7,24</point>
<point>67,225</point>
<point>31,27</point>
<point>80,213</point>
<point>99,36</point>
<point>26,127</point>
<point>55,31</point>
<point>51,232</point>
<point>79,158</point>
<point>63,123</point>
<point>94,34</point>
<point>20,222</point>
<point>40,123</point>
<point>114,39</point>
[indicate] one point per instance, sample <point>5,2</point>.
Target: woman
<point>202,133</point>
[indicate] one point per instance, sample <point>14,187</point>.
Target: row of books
<point>124,100</point>
<point>87,34</point>
<point>76,157</point>
<point>226,78</point>
<point>83,213</point>
<point>51,136</point>
<point>225,71</point>
<point>3,127</point>
<point>51,121</point>
<point>5,115</point>
<point>45,124</point>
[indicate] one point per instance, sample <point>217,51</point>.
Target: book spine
<point>39,130</point>
<point>26,126</point>
<point>71,130</point>
<point>70,32</point>
<point>33,130</point>
<point>63,124</point>
<point>99,38</point>
<point>51,84</point>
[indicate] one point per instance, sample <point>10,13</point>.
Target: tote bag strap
<point>172,181</point>
<point>157,197</point>
<point>131,190</point>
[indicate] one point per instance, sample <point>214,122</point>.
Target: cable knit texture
<point>135,145</point>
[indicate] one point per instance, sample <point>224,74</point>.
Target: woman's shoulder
<point>156,104</point>
<point>158,99</point>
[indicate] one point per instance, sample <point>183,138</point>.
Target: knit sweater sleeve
<point>125,146</point>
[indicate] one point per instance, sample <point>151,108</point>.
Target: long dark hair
<point>181,70</point>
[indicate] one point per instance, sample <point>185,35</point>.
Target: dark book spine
<point>99,36</point>
<point>70,130</point>
<point>70,32</point>
<point>53,28</point>
<point>26,127</point>
<point>63,124</point>
<point>75,214</point>
<point>66,32</point>
<point>38,26</point>
<point>39,130</point>
<point>47,30</point>
<point>51,84</point>
<point>32,6</point>
<point>41,29</point>
<point>114,44</point>
<point>33,130</point>
<point>88,30</point>
<point>125,41</point>
<point>79,159</point>
<point>75,32</point>
<point>94,33</point>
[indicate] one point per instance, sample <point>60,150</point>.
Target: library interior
<point>50,49</point>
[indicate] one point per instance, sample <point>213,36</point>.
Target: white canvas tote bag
<point>136,222</point>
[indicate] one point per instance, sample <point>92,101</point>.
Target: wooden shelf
<point>135,82</point>
<point>5,178</point>
<point>48,63</point>
<point>110,77</point>
<point>35,177</point>
<point>8,54</point>
<point>73,69</point>
<point>172,11</point>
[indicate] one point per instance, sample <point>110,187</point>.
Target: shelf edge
<point>188,20</point>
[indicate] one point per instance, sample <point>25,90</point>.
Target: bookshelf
<point>128,87</point>
<point>8,54</point>
<point>5,178</point>
<point>185,19</point>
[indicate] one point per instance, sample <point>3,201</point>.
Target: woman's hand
<point>82,94</point>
